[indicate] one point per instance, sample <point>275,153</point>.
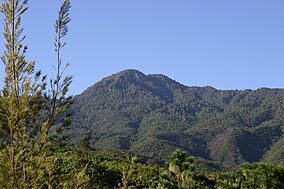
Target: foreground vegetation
<point>30,108</point>
<point>78,168</point>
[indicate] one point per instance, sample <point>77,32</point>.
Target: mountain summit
<point>151,115</point>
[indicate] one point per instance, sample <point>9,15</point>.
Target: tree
<point>29,108</point>
<point>179,174</point>
<point>253,175</point>
<point>180,168</point>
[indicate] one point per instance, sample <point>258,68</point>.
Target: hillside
<point>152,115</point>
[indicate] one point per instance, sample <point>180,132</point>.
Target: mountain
<point>152,115</point>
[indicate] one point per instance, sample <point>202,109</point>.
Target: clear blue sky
<point>227,44</point>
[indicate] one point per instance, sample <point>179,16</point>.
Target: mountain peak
<point>130,82</point>
<point>153,114</point>
<point>126,75</point>
<point>130,73</point>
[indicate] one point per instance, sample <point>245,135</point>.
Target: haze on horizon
<point>223,44</point>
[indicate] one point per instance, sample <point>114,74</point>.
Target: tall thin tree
<point>28,108</point>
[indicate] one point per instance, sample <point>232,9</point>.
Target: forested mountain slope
<point>151,115</point>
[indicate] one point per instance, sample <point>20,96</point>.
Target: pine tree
<point>29,110</point>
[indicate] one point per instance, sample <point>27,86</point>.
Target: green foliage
<point>255,175</point>
<point>151,115</point>
<point>29,110</point>
<point>179,173</point>
<point>180,168</point>
<point>115,170</point>
<point>136,175</point>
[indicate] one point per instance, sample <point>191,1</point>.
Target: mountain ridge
<point>152,115</point>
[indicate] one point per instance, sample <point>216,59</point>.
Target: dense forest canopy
<point>151,115</point>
